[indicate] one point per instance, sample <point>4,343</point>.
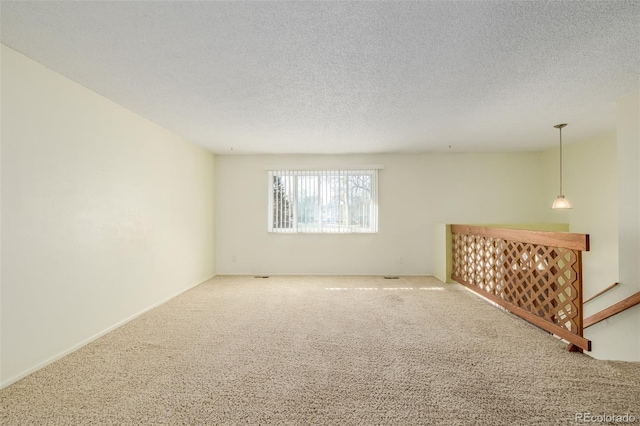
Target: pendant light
<point>561,202</point>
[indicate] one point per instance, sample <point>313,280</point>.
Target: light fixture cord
<point>561,161</point>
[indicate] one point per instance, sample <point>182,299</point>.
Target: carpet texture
<point>327,351</point>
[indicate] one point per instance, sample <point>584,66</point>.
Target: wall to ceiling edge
<point>104,215</point>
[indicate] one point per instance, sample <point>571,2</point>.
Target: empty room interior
<point>320,212</point>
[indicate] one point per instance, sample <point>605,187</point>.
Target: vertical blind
<point>323,201</point>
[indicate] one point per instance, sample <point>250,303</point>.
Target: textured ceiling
<point>346,77</point>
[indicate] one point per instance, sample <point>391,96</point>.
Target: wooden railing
<point>600,293</point>
<point>612,310</point>
<point>536,275</point>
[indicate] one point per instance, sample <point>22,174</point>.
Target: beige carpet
<point>323,350</point>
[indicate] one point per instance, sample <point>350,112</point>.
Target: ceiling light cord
<point>561,161</point>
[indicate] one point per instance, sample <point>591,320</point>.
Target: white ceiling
<point>346,77</point>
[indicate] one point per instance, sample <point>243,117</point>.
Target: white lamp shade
<point>561,203</point>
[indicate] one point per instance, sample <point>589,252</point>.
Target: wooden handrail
<point>600,293</point>
<point>612,310</point>
<point>554,239</point>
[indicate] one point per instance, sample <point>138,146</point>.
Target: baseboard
<point>306,274</point>
<point>75,347</point>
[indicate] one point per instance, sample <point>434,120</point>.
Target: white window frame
<point>292,173</point>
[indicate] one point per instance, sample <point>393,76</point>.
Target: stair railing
<point>612,310</point>
<point>536,275</point>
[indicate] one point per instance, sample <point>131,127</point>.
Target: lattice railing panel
<point>541,279</point>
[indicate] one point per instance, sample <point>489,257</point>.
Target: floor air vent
<point>391,278</point>
<point>261,276</point>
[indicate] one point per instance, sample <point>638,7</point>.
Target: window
<point>323,201</point>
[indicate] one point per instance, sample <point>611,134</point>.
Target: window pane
<point>334,204</point>
<point>282,208</point>
<point>308,202</point>
<point>360,201</point>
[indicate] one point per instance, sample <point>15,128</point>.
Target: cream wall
<point>104,215</point>
<point>441,253</point>
<point>626,325</point>
<point>416,191</point>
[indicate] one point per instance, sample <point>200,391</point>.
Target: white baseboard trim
<point>317,274</point>
<point>75,347</point>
